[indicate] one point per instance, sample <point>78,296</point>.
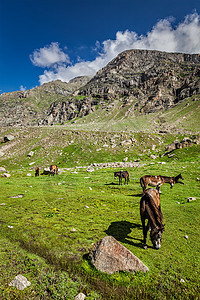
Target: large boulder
<point>109,256</point>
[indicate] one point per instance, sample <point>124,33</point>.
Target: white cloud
<point>48,56</point>
<point>185,38</point>
<point>22,88</point>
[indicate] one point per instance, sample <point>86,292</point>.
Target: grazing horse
<point>150,209</point>
<point>53,170</point>
<point>157,181</point>
<point>37,172</point>
<point>122,174</point>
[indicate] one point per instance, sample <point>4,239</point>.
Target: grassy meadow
<point>48,230</point>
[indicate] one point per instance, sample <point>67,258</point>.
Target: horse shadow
<point>112,183</point>
<point>120,230</point>
<point>137,195</point>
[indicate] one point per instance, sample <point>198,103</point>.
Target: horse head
<point>156,236</point>
<point>179,177</point>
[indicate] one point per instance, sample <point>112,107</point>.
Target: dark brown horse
<point>157,181</point>
<point>37,172</point>
<point>53,170</point>
<point>150,209</point>
<point>122,174</point>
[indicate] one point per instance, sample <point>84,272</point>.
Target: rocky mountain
<point>27,107</point>
<point>141,81</point>
<point>152,79</point>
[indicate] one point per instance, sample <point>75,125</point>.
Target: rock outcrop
<point>154,79</point>
<point>24,108</point>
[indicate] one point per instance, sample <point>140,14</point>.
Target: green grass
<point>42,246</point>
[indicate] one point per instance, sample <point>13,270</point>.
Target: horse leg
<point>145,230</point>
<point>158,188</point>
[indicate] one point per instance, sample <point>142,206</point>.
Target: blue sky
<point>45,40</point>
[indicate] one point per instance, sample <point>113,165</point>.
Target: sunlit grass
<point>44,219</point>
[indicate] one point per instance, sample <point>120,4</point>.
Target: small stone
<point>191,199</point>
<point>80,296</point>
<point>2,169</point>
<point>90,169</point>
<point>86,206</point>
<point>6,175</point>
<point>17,196</point>
<point>182,281</point>
<point>28,174</point>
<point>8,138</point>
<point>10,226</point>
<point>186,236</point>
<point>145,247</point>
<point>73,230</point>
<point>20,282</point>
<point>30,154</point>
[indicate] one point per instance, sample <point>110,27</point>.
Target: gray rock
<point>80,296</point>
<point>109,256</point>
<point>8,138</point>
<point>31,153</point>
<point>90,169</point>
<point>5,175</point>
<point>20,282</point>
<point>191,199</point>
<point>152,156</point>
<point>18,196</point>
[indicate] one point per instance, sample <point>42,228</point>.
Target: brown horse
<point>53,170</point>
<point>157,181</point>
<point>122,174</point>
<point>150,209</point>
<point>37,172</point>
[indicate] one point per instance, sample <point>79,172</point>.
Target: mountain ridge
<point>136,82</point>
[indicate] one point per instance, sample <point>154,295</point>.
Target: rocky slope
<point>140,81</point>
<point>144,81</point>
<point>154,79</point>
<point>26,107</point>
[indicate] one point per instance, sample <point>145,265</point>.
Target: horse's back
<point>152,194</point>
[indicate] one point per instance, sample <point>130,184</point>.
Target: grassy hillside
<point>183,117</point>
<point>38,239</point>
<point>42,246</point>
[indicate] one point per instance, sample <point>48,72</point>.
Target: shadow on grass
<point>120,231</point>
<point>112,183</point>
<point>137,195</point>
